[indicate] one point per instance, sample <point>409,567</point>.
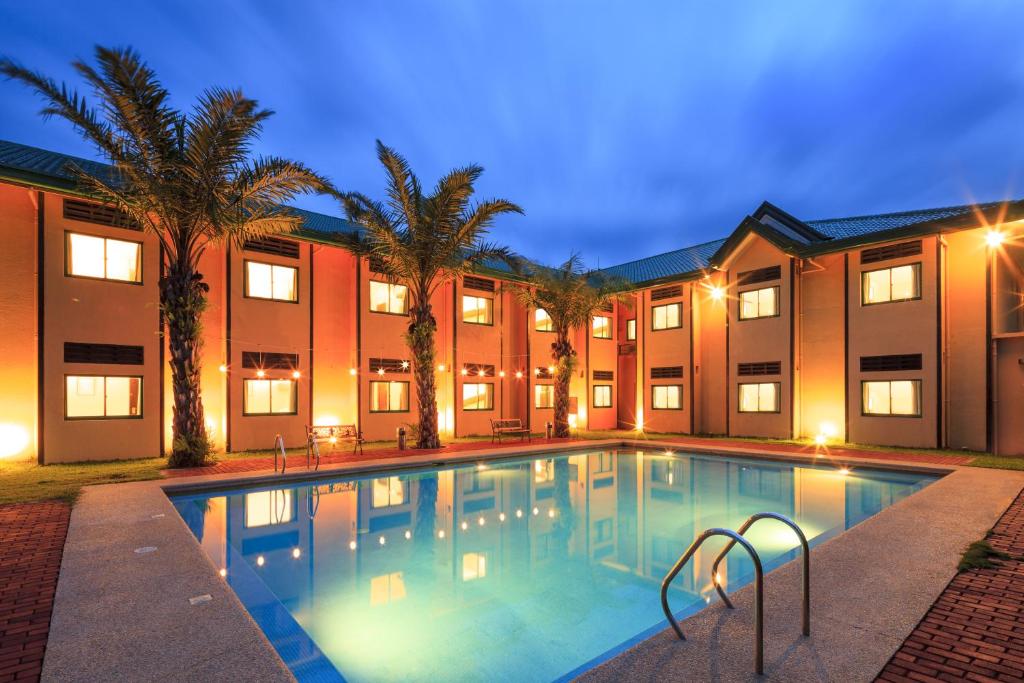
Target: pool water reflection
<point>521,571</point>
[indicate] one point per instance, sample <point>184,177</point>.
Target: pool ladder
<point>312,452</point>
<point>734,538</point>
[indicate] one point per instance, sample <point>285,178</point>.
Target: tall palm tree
<point>188,178</point>
<point>571,296</point>
<point>424,241</point>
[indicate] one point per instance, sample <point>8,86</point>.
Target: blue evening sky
<point>624,129</point>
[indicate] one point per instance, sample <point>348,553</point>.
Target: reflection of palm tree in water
<point>565,517</point>
<point>426,513</point>
<point>194,514</point>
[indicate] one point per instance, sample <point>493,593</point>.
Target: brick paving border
<point>975,630</point>
<point>31,545</point>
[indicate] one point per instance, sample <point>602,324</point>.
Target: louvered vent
<point>666,292</point>
<point>667,373</point>
<point>751,277</point>
<point>474,370</point>
<point>770,367</point>
<point>891,251</point>
<point>389,365</point>
<point>543,373</point>
<point>258,360</point>
<point>604,375</point>
<point>907,361</point>
<point>105,354</point>
<point>273,245</point>
<point>484,285</point>
<point>100,214</point>
<point>627,349</point>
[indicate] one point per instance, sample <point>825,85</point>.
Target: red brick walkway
<point>31,544</point>
<point>975,630</point>
<point>344,455</point>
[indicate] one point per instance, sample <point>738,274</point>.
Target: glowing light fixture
<point>844,471</point>
<point>260,561</point>
<point>820,439</point>
<point>501,373</point>
<point>261,373</point>
<point>382,540</point>
<point>440,367</point>
<point>405,365</point>
<point>352,371</point>
<point>352,545</point>
<point>537,371</point>
<point>13,439</point>
<point>481,521</point>
<point>536,511</point>
<point>716,292</point>
<point>440,534</point>
<point>464,526</point>
<point>480,373</point>
<point>223,573</point>
<point>296,374</point>
<point>501,517</point>
<point>551,513</point>
<point>332,440</point>
<point>296,553</point>
<point>519,374</point>
<point>465,372</point>
<point>223,368</point>
<point>994,238</point>
<point>519,514</point>
<point>408,535</point>
<point>380,371</point>
<point>551,369</point>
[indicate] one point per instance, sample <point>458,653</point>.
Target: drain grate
<point>145,550</point>
<point>200,599</point>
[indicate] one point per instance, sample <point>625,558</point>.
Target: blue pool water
<point>528,570</point>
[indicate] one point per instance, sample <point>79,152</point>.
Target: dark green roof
<point>36,166</point>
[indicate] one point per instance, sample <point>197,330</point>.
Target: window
<point>759,303</point>
<point>474,566</point>
<point>759,398</point>
<point>386,297</point>
<point>542,321</point>
<point>901,283</point>
<point>388,491</point>
<point>666,316</point>
<point>544,396</point>
<point>268,281</point>
<point>602,327</point>
<point>96,396</point>
<point>631,330</point>
<point>103,258</point>
<point>266,508</point>
<point>897,397</point>
<point>667,397</point>
<point>269,397</point>
<point>602,396</point>
<point>478,310</point>
<point>478,396</point>
<point>389,397</point>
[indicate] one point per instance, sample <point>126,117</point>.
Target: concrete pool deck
<point>132,569</point>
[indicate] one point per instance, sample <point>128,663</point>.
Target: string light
<point>440,367</point>
<point>501,373</point>
<point>352,371</point>
<point>380,371</point>
<point>465,372</point>
<point>480,373</point>
<point>260,373</point>
<point>519,374</point>
<point>296,374</point>
<point>223,368</point>
<point>405,365</point>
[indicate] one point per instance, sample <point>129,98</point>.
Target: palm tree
<point>424,241</point>
<point>188,178</point>
<point>571,296</point>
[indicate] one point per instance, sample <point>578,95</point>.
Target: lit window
<point>386,297</point>
<point>269,281</point>
<point>891,284</point>
<point>543,471</point>
<point>478,396</point>
<point>478,310</point>
<point>266,508</point>
<point>759,398</point>
<point>103,258</point>
<point>631,330</point>
<point>542,321</point>
<point>387,588</point>
<point>544,396</point>
<point>667,397</point>
<point>98,396</point>
<point>602,396</point>
<point>389,397</point>
<point>898,397</point>
<point>474,566</point>
<point>759,303</point>
<point>388,492</point>
<point>602,327</point>
<point>666,316</point>
<point>269,397</point>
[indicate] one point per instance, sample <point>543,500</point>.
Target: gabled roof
<point>689,260</point>
<point>859,226</point>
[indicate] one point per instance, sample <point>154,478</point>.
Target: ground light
<point>13,439</point>
<point>994,238</point>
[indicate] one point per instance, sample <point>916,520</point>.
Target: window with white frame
<point>602,327</point>
<point>544,396</point>
<point>760,397</point>
<point>666,316</point>
<point>271,281</point>
<point>267,508</point>
<point>270,397</point>
<point>899,283</point>
<point>388,297</point>
<point>389,397</point>
<point>478,310</point>
<point>602,396</point>
<point>478,396</point>
<point>759,303</point>
<point>97,396</point>
<point>542,321</point>
<point>388,492</point>
<point>631,329</point>
<point>103,258</point>
<point>892,397</point>
<point>667,397</point>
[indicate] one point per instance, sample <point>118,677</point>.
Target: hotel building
<point>903,329</point>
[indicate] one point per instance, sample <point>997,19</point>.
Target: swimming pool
<point>517,570</point>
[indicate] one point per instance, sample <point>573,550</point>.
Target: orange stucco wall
<point>666,348</point>
<point>820,365</point>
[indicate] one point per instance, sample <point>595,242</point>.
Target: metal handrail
<point>312,446</point>
<point>758,589</point>
<point>279,446</point>
<point>804,549</point>
<point>313,501</point>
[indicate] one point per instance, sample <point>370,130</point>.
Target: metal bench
<point>333,435</point>
<point>509,427</point>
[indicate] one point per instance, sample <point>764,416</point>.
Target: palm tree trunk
<point>421,342</point>
<point>563,353</point>
<point>183,298</point>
